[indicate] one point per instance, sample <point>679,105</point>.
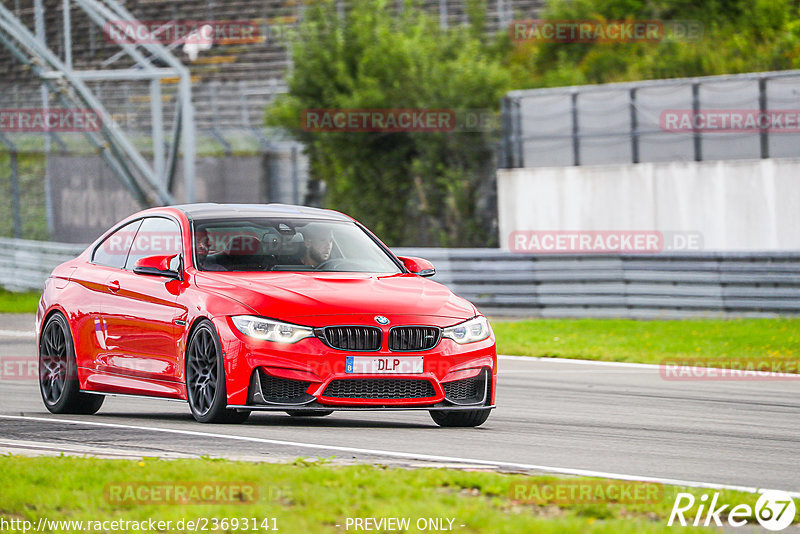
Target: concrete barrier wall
<point>747,205</point>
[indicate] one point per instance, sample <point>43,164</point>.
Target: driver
<point>319,241</point>
<point>203,248</point>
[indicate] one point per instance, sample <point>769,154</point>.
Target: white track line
<point>405,455</point>
<point>684,368</point>
<point>578,362</point>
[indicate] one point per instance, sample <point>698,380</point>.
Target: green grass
<point>313,496</point>
<point>624,340</point>
<point>11,302</point>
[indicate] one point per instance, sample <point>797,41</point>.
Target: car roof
<point>214,211</point>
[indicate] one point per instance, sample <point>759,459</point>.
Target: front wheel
<point>58,371</point>
<point>461,418</point>
<point>205,378</point>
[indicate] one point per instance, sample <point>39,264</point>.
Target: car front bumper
<point>309,375</point>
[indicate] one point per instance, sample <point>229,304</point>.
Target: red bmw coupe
<point>236,308</point>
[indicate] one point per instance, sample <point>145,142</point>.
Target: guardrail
<point>25,264</point>
<point>635,285</point>
<point>504,283</point>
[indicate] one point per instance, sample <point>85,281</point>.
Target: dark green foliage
<point>437,189</point>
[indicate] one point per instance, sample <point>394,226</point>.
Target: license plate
<point>380,365</point>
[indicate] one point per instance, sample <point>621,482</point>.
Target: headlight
<point>271,330</point>
<point>476,329</point>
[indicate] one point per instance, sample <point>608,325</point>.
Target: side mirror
<point>418,265</point>
<point>159,266</point>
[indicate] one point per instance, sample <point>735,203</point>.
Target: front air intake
<point>267,389</point>
<point>473,390</point>
<point>380,388</point>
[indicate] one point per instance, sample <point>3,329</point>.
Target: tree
<point>412,188</point>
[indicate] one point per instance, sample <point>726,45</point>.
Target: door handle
<point>113,286</point>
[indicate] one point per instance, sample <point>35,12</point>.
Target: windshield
<point>270,244</point>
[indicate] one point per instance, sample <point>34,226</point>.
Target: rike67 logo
<point>775,510</point>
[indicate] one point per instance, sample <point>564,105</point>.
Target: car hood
<point>295,296</point>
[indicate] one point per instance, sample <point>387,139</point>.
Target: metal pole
<point>92,37</point>
<point>516,115</point>
<point>505,140</point>
<point>188,135</point>
<point>762,106</point>
<point>501,14</point>
<point>295,185</point>
<point>157,127</point>
<point>15,201</point>
<point>576,142</point>
<point>67,36</point>
<point>129,115</point>
<point>38,15</point>
<point>212,96</point>
<point>172,160</point>
<point>38,19</point>
<point>443,13</point>
<point>634,128</point>
<point>698,140</point>
<point>245,108</point>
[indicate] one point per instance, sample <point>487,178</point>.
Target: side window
<point>157,236</point>
<point>114,249</point>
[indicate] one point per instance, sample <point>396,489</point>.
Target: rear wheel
<point>461,418</point>
<point>205,378</point>
<point>58,371</point>
<point>309,413</point>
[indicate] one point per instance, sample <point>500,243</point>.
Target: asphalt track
<point>624,421</point>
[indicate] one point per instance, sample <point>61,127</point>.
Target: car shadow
<point>278,419</point>
<point>332,421</point>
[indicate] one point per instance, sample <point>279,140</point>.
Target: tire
<point>309,413</point>
<point>462,418</point>
<point>58,371</point>
<point>205,378</point>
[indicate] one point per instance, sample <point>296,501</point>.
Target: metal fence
<point>71,195</point>
<point>623,122</point>
<point>233,82</point>
<point>508,284</point>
